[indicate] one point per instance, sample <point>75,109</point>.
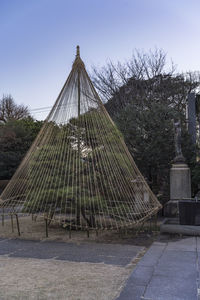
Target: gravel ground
<point>52,279</point>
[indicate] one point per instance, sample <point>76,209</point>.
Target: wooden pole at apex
<point>77,51</point>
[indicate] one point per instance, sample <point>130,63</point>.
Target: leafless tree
<point>144,78</point>
<point>142,66</point>
<point>9,110</point>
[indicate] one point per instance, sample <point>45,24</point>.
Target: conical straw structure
<point>79,171</point>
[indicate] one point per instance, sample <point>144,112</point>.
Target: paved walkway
<point>168,271</point>
<point>113,254</point>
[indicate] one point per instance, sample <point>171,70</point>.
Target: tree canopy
<point>16,136</point>
<point>144,97</point>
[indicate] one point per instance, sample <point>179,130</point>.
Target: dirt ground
<point>36,231</point>
<point>52,279</point>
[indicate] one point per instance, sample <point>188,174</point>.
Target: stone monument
<point>187,214</point>
<point>180,178</point>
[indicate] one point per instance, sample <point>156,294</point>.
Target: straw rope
<point>78,170</point>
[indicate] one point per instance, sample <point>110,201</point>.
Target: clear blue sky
<point>38,39</point>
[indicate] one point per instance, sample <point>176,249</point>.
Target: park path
<point>168,271</point>
<point>113,254</point>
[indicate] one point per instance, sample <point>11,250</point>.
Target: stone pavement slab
<point>198,243</point>
<point>186,244</point>
<point>153,255</point>
<point>168,271</point>
<point>171,288</point>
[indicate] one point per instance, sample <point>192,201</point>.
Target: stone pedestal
<point>180,186</point>
<point>180,181</point>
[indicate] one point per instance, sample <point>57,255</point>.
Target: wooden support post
<point>88,233</point>
<point>133,230</point>
<point>97,233</point>
<point>46,223</point>
<point>70,233</point>
<point>78,204</point>
<point>18,229</point>
<point>139,229</point>
<point>125,231</point>
<point>155,222</point>
<point>3,217</point>
<point>12,225</point>
<point>150,228</point>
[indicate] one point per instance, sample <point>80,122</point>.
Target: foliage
<point>16,136</point>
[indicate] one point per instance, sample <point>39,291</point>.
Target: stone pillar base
<point>180,181</point>
<point>180,187</point>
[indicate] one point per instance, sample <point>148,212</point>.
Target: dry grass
<point>52,279</point>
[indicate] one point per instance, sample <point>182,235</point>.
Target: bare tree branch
<point>9,110</point>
